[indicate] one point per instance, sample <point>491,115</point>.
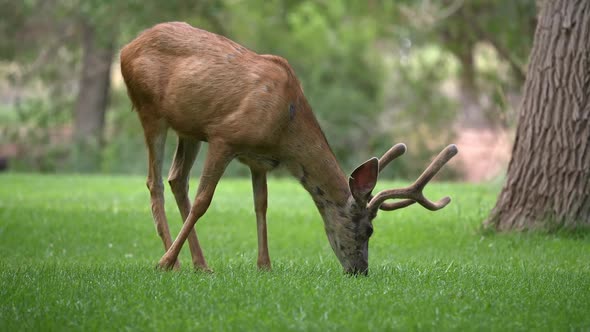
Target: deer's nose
<point>358,270</point>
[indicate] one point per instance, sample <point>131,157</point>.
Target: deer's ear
<point>363,179</point>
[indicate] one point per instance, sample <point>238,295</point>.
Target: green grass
<point>78,253</point>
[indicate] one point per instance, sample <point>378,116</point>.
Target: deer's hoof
<point>264,266</point>
<point>203,269</point>
<point>167,264</point>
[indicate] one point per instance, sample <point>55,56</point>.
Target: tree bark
<point>93,96</point>
<point>548,180</point>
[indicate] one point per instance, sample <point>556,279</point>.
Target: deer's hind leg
<point>178,178</point>
<point>155,130</point>
<point>218,156</point>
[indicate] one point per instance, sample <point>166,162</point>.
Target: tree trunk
<point>548,180</point>
<point>93,96</point>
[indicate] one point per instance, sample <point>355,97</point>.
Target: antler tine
<point>443,157</point>
<point>390,206</point>
<point>391,154</point>
<point>395,151</point>
<point>414,191</point>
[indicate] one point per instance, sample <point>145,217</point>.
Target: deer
<point>250,107</point>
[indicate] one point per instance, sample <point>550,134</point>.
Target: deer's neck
<point>320,174</point>
<point>311,160</point>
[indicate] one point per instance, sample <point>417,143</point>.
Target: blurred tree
<point>99,23</point>
<point>51,40</point>
<point>457,68</point>
<point>461,27</point>
<point>98,48</point>
<point>548,180</point>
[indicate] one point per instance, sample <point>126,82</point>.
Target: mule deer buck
<point>208,88</point>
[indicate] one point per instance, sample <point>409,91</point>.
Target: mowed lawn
<point>78,253</point>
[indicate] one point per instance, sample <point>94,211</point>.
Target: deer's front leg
<point>218,156</point>
<point>260,204</point>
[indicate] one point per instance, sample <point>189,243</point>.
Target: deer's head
<point>349,234</point>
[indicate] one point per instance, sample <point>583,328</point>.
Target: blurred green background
<point>427,73</point>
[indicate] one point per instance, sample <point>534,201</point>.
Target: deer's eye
<point>369,231</point>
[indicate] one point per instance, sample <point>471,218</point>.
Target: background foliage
<point>375,72</point>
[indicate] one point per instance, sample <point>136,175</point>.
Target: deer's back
<point>208,86</point>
